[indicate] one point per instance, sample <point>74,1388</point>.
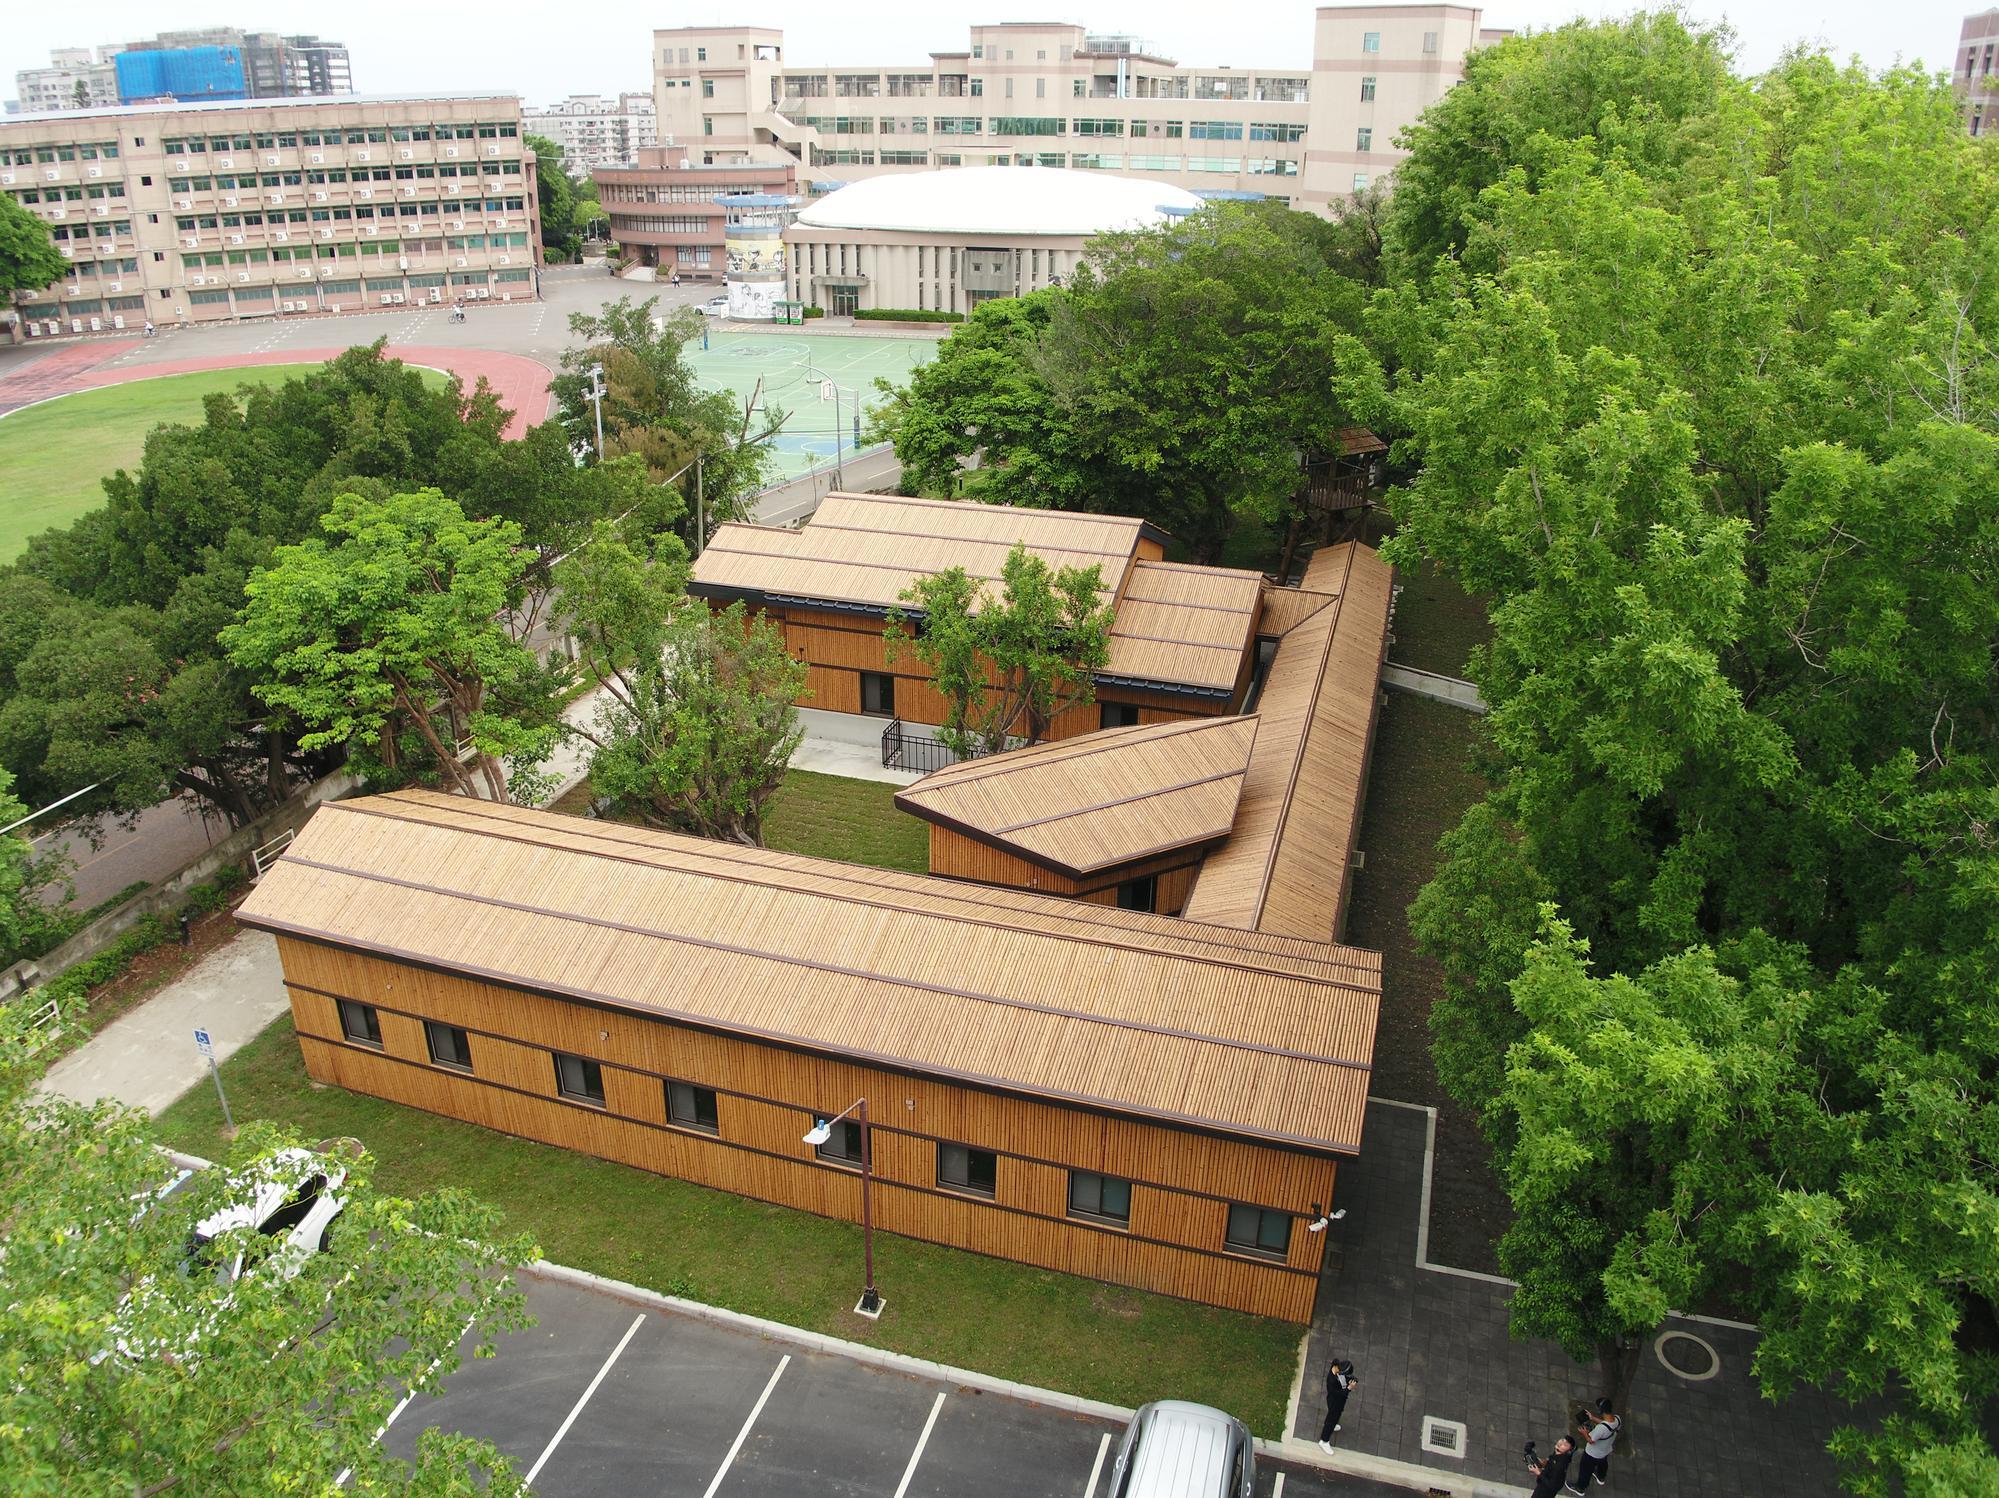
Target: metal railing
<point>902,750</point>
<point>263,857</point>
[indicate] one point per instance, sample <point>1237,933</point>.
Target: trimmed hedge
<point>905,314</point>
<point>150,932</point>
<point>812,312</point>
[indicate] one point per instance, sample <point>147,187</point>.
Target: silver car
<point>1173,1449</point>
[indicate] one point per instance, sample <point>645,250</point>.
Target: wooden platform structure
<point>1134,1093</point>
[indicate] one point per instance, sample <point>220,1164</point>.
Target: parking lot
<point>602,1396</point>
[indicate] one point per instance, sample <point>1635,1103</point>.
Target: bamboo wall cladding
<point>767,1100</point>
<point>831,690</point>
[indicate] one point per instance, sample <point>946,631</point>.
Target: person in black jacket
<point>1340,1382</point>
<point>1552,1471</point>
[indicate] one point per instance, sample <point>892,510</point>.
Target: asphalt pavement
<point>606,1397</point>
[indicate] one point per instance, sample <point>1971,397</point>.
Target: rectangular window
<point>844,1147</point>
<point>1363,138</point>
<point>1139,894</point>
<point>580,1078</point>
<point>360,1024</point>
<point>448,1044</point>
<point>877,691</point>
<point>1099,1197</point>
<point>1360,181</point>
<point>1370,41</point>
<point>962,1168</point>
<point>692,1107</point>
<point>707,88</point>
<point>1429,43</point>
<point>1260,1231</point>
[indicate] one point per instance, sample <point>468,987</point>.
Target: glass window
<point>692,1107</point>
<point>1139,894</point>
<point>448,1044</point>
<point>359,1022</point>
<point>1370,41</point>
<point>844,1146</point>
<point>877,689</point>
<point>1363,138</point>
<point>962,1168</point>
<point>1118,714</point>
<point>1367,90</point>
<point>1104,1198</point>
<point>1258,1230</point>
<point>579,1077</point>
<point>1429,42</point>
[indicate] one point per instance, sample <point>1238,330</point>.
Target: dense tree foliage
<point>1182,375</point>
<point>1006,660</point>
<point>29,259</point>
<point>656,410</point>
<point>697,721</point>
<point>562,224</point>
<point>1701,377</point>
<point>109,668</point>
<point>29,924</point>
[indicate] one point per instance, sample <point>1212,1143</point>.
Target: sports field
<point>55,456</point>
<point>795,365</point>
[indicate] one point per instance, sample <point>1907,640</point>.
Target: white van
<point>1174,1449</point>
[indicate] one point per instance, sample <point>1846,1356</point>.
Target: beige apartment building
<point>186,213</point>
<point>1977,44</point>
<point>1307,132</point>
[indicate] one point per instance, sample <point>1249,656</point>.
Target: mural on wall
<point>754,299</point>
<point>756,257</point>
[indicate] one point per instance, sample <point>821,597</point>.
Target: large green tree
<point>697,719</point>
<point>1007,659</point>
<point>1701,378</point>
<point>389,639</point>
<point>29,259</point>
<point>561,230</point>
<point>29,923</point>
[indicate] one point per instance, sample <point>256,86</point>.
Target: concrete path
<point>1450,689</point>
<point>147,1058</point>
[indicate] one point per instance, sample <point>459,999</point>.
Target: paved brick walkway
<point>1431,1342</point>
<point>522,383</point>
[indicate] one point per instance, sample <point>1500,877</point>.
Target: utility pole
<point>596,395</point>
<point>700,509</point>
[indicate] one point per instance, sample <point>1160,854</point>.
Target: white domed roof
<point>1001,200</point>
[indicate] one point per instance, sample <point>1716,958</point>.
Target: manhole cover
<point>1684,1355</point>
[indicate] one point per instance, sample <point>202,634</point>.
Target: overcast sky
<point>543,51</point>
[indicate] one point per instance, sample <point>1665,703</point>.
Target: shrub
<point>812,312</point>
<point>905,314</point>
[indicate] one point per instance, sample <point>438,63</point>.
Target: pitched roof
<point>1146,1016</point>
<point>1353,441</point>
<point>1285,608</point>
<point>1183,624</point>
<point>1082,804</point>
<point>1284,866</point>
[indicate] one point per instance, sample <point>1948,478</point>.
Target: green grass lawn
<point>56,455</point>
<point>856,821</point>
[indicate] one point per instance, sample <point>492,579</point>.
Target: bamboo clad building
<point>1150,1101</point>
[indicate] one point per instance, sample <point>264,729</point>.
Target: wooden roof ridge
<point>1102,741</point>
<point>1319,601</point>
<point>1034,546</point>
<point>875,891</point>
<point>1057,1011</point>
<point>1208,569</point>
<point>1137,522</point>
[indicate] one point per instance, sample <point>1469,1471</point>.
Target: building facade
<point>664,211</point>
<point>1029,94</point>
<point>595,130</point>
<point>1977,45</point>
<point>217,63</point>
<point>1076,1087</point>
<point>190,213</point>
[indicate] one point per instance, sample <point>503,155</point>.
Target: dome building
<point>945,241</point>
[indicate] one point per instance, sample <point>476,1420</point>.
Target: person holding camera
<point>1340,1382</point>
<point>1599,1436</point>
<point>1550,1472</point>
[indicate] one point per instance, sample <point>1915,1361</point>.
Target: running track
<point>522,383</point>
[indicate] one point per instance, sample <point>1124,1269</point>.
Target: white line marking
<point>1097,1466</point>
<point>1277,1487</point>
<point>383,1429</point>
<point>563,1429</point>
<point>744,1434</point>
<point>921,1441</point>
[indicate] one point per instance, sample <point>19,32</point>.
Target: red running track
<point>521,383</point>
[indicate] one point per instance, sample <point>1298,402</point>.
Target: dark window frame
<point>589,1071</point>
<point>1117,714</point>
<point>694,1125</point>
<point>371,1024</point>
<point>1099,1213</point>
<point>843,1148</point>
<point>1252,1246</point>
<point>969,1186</point>
<point>1141,893</point>
<point>888,679</point>
<point>456,1038</point>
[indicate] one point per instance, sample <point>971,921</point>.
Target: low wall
<point>168,894</point>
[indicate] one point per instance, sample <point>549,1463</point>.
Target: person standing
<point>1599,1436</point>
<point>1340,1382</point>
<point>1551,1471</point>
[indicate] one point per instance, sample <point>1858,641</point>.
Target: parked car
<point>716,306</point>
<point>1174,1449</point>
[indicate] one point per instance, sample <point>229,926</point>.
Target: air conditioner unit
<point>319,158</point>
<point>226,161</point>
<point>6,179</point>
<point>400,298</point>
<point>410,191</point>
<point>460,261</point>
<point>387,300</point>
<point>270,161</point>
<point>304,273</point>
<point>458,223</point>
<point>190,240</point>
<point>326,234</point>
<point>197,280</point>
<point>366,192</point>
<point>402,262</point>
<point>235,239</point>
<point>405,153</point>
<point>115,286</point>
<point>319,197</point>
<point>58,213</point>
<point>281,235</point>
<point>483,292</point>
<point>451,150</point>
<point>102,210</point>
<point>68,251</point>
<point>371,231</point>
<point>493,149</point>
<point>363,156</point>
<point>232,202</point>
<point>275,197</point>
<point>52,173</point>
<point>242,275</point>
<point>180,166</point>
<point>326,270</point>
<point>95,171</point>
<point>506,260</point>
<point>183,202</point>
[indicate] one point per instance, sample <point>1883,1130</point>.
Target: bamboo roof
<point>1084,804</point>
<point>1262,1038</point>
<point>1353,441</point>
<point>1178,627</point>
<point>1284,866</point>
<point>1284,608</point>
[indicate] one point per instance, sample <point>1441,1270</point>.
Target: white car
<point>715,306</point>
<point>292,1195</point>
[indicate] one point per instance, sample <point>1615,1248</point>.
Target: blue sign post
<point>207,1048</point>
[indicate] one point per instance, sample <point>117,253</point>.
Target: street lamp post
<point>871,1302</point>
<point>596,396</point>
<point>839,421</point>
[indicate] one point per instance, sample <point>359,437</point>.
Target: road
<point>606,1397</point>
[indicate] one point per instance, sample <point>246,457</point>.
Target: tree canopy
<point>29,259</point>
<point>1700,376</point>
<point>1183,375</point>
<point>561,227</point>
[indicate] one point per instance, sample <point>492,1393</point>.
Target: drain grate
<point>1445,1437</point>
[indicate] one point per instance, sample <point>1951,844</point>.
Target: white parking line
<point>1097,1466</point>
<point>383,1429</point>
<point>563,1429</point>
<point>921,1441</point>
<point>744,1434</point>
<point>1277,1487</point>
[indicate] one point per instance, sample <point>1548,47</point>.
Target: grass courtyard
<point>56,455</point>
